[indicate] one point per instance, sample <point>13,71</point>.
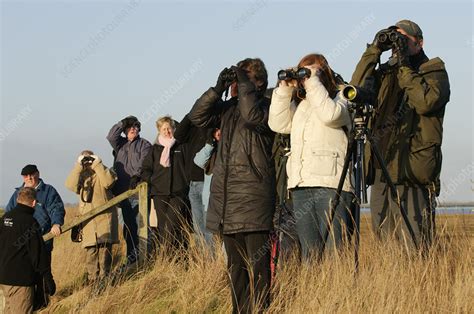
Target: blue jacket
<point>202,156</point>
<point>129,157</point>
<point>49,209</point>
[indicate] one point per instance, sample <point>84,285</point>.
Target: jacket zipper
<point>170,171</point>
<point>226,172</point>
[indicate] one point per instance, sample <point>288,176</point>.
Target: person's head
<point>87,161</point>
<point>414,35</point>
<point>166,126</point>
<point>27,196</point>
<point>87,153</point>
<point>257,73</point>
<point>325,73</point>
<point>31,176</point>
<point>133,130</point>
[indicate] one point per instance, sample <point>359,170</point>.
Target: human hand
<point>222,83</point>
<point>314,69</point>
<point>290,83</point>
<point>402,51</point>
<point>134,182</point>
<point>240,74</point>
<point>55,230</point>
<point>96,159</point>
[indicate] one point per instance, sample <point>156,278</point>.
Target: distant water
<point>442,210</point>
<point>455,210</point>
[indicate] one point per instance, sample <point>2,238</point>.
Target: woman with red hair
<point>312,110</point>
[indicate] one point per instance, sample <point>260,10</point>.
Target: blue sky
<point>71,69</point>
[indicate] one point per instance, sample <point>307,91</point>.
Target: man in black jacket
<point>24,255</point>
<point>242,201</point>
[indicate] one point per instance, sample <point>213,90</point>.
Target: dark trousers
<point>387,220</point>
<point>174,222</point>
<point>248,262</point>
<point>130,229</point>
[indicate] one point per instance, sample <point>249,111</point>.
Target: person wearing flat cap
<point>49,208</point>
<point>407,126</point>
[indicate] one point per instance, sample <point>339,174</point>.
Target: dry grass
<point>389,280</point>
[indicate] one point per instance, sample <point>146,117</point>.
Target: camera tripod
<point>355,153</point>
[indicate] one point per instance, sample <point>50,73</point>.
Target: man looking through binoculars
<point>412,92</point>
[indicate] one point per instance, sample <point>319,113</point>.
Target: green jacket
<point>407,123</point>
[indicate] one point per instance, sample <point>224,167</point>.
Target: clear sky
<point>71,69</point>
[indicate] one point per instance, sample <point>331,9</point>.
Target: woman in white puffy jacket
<point>314,112</point>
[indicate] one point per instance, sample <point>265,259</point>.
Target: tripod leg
<point>393,189</point>
<point>359,187</point>
<point>337,197</point>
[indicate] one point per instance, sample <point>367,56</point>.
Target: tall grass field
<point>390,279</point>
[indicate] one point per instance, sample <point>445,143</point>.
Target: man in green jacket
<point>407,126</point>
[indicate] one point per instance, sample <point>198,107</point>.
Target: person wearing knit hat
<point>407,126</point>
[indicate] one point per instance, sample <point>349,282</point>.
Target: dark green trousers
<point>387,220</point>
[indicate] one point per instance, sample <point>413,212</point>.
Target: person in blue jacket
<point>49,208</point>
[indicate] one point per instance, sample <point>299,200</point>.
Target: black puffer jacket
<point>243,184</point>
<point>195,138</point>
<point>166,181</point>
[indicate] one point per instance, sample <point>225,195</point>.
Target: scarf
<point>167,143</point>
<point>418,59</point>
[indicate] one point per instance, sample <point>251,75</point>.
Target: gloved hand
<point>240,73</point>
<point>134,182</point>
<point>129,121</point>
<point>402,51</point>
<point>50,285</point>
<point>383,46</point>
<point>222,84</point>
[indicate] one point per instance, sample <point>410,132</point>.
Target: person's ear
<point>419,43</point>
<point>34,203</point>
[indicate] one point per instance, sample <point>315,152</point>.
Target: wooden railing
<point>142,191</point>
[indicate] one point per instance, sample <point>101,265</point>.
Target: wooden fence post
<point>143,221</point>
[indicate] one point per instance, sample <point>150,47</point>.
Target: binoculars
<point>391,38</point>
<point>298,74</point>
<point>229,76</point>
<point>87,160</point>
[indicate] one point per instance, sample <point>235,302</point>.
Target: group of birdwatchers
<point>272,153</point>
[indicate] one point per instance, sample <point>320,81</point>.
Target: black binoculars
<point>298,74</point>
<point>87,160</point>
<point>391,38</point>
<point>229,76</point>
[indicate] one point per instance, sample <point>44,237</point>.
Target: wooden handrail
<point>141,190</point>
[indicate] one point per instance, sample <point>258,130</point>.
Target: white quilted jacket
<point>318,142</point>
